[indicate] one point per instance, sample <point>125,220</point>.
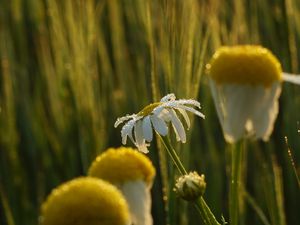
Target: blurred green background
<point>69,68</point>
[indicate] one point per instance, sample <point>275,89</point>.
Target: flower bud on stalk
<point>190,186</point>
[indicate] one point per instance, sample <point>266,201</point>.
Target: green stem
<point>207,216</point>
<point>172,153</point>
<point>236,157</point>
<point>205,212</point>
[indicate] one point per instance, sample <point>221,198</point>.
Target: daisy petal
<point>186,117</point>
<point>264,116</point>
<point>138,196</point>
<point>165,115</point>
<point>159,125</point>
<point>169,97</point>
<point>158,109</point>
<point>147,129</point>
<point>138,133</point>
<point>143,147</point>
<point>127,131</point>
<point>178,127</point>
<point>196,112</point>
<point>123,119</point>
<point>295,79</point>
<point>188,102</point>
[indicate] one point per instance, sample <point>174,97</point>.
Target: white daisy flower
<point>157,115</point>
<point>133,173</point>
<point>246,83</point>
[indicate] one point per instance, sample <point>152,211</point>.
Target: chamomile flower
<point>83,201</point>
<point>133,173</point>
<point>157,116</point>
<point>246,83</point>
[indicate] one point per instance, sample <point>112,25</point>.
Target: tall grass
<point>68,69</point>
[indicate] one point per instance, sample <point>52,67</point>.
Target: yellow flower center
<point>83,201</point>
<point>123,164</point>
<point>148,109</point>
<point>248,64</point>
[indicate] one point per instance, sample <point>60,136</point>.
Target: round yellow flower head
<point>85,201</point>
<point>244,64</point>
<point>121,165</point>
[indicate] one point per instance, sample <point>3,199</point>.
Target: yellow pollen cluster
<point>148,109</point>
<point>122,164</point>
<point>85,201</point>
<point>245,64</point>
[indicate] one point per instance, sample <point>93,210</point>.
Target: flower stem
<point>207,216</point>
<point>172,153</point>
<point>236,157</point>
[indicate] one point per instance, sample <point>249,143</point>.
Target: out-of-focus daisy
<point>246,84</point>
<point>85,201</point>
<point>133,173</point>
<point>157,116</point>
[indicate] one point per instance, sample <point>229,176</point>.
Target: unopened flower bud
<point>191,186</point>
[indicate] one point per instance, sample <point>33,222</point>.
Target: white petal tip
<point>143,149</point>
<point>201,115</point>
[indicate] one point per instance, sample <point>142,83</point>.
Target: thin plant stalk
<point>206,214</point>
<point>236,157</point>
<point>172,153</point>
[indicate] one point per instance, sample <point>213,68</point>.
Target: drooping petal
<point>169,97</point>
<point>159,125</point>
<point>143,147</point>
<point>158,109</point>
<point>265,115</point>
<point>123,119</point>
<point>138,133</point>
<point>186,117</point>
<point>237,110</point>
<point>178,127</point>
<point>231,101</point>
<point>147,129</point>
<point>292,78</point>
<point>246,110</point>
<point>190,109</point>
<point>127,131</point>
<point>165,115</point>
<point>188,102</point>
<point>218,102</point>
<point>138,196</point>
